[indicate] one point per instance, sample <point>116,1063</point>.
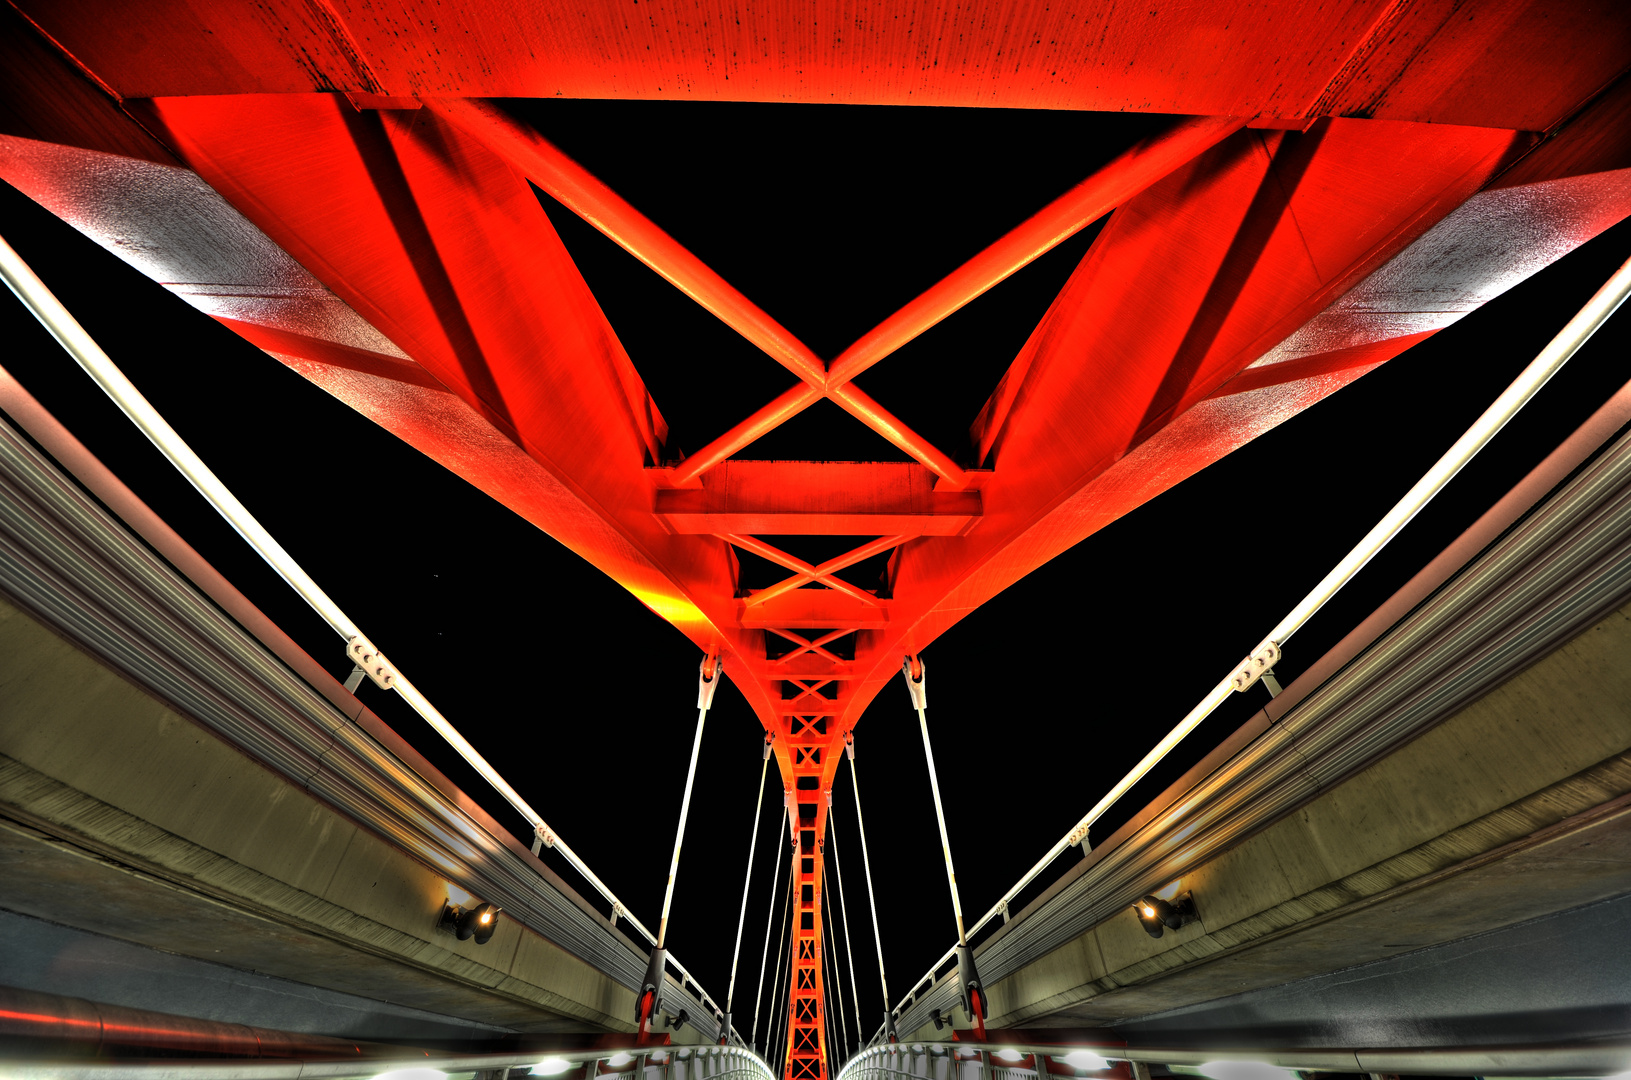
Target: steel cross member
<point>597,204</point>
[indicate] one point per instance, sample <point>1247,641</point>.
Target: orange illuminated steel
<point>1268,248</point>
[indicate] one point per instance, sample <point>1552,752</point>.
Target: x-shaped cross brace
<point>804,573</point>
<point>814,648</point>
<point>578,190</point>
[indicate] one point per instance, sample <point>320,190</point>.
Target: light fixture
<point>551,1067</point>
<point>412,1074</point>
<point>1085,1060</point>
<point>617,1061</point>
<point>1245,1070</point>
<point>466,923</point>
<point>1009,1055</point>
<point>1156,915</point>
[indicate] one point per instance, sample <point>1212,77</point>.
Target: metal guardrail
<point>1019,1061</point>
<point>68,560</point>
<point>1547,578</point>
<point>673,1063</point>
<point>1529,382</point>
<point>88,354</point>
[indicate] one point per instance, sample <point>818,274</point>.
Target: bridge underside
<point>370,194</point>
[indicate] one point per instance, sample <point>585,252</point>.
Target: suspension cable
<point>843,906</point>
<point>705,697</point>
<point>747,880</point>
<point>840,1028</point>
<point>1569,340</point>
<point>866,863</point>
<point>916,683</point>
<point>786,949</point>
<point>764,955</point>
<point>96,363</point>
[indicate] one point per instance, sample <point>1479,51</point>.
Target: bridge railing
<point>972,1061</point>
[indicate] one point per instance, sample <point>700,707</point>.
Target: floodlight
<point>1245,1070</point>
<point>1085,1060</point>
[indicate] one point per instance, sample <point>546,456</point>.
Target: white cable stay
<point>843,907</point>
<point>1540,370</point>
<point>770,918</point>
<point>89,355</point>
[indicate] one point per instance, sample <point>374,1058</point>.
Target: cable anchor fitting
<point>1078,835</point>
<point>972,989</point>
<point>770,742</point>
<point>710,670</point>
<point>366,656</point>
<point>849,744</point>
<point>1252,668</point>
<point>649,1001</point>
<point>542,837</point>
<point>916,685</point>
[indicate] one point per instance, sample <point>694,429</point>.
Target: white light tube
<point>72,337</point>
<point>1550,360</point>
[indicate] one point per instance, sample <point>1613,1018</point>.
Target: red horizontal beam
<point>822,609</point>
<point>803,498</point>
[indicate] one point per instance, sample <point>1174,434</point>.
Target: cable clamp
<point>1251,669</point>
<point>710,670</point>
<point>363,653</point>
<point>770,741</point>
<point>918,687</point>
<point>849,744</point>
<point>544,833</point>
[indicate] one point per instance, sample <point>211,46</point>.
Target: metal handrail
<point>1587,1059</point>
<point>739,1064</point>
<point>1519,393</point>
<point>74,339</point>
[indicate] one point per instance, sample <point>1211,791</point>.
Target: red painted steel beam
<point>1129,173</point>
<point>1514,64</point>
<point>802,498</point>
<point>763,421</point>
<point>806,573</point>
<point>1218,301</point>
<point>607,211</point>
<point>1055,223</point>
<point>603,208</point>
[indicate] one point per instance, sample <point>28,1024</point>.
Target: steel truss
<point>1328,202</point>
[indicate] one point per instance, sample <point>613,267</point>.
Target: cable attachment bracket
<point>366,656</point>
<point>1078,835</point>
<point>971,988</point>
<point>542,837</point>
<point>710,670</point>
<point>917,685</point>
<point>649,1001</point>
<point>770,743</point>
<point>1252,668</point>
<point>849,744</point>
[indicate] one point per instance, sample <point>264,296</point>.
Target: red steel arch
<point>1308,221</point>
